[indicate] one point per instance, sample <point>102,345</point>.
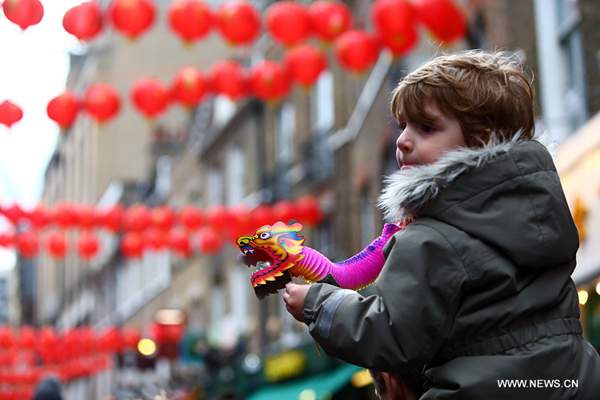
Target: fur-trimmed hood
<point>506,193</point>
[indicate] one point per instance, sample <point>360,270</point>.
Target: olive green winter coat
<point>477,289</point>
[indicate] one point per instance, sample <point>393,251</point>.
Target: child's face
<point>424,143</point>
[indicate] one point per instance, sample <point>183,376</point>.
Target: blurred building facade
<point>335,141</point>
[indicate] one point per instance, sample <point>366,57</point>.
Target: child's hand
<point>294,299</point>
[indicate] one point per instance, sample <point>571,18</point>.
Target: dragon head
<point>273,250</point>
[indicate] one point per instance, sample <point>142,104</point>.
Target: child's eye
<point>427,128</point>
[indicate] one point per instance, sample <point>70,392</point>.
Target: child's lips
<point>406,166</point>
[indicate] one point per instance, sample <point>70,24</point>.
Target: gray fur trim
<point>406,191</point>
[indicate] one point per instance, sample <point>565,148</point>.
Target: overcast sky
<point>33,69</point>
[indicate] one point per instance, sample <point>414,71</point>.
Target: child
<point>475,295</point>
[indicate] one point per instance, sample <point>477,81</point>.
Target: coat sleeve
<point>408,316</point>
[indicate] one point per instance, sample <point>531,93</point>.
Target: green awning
<point>316,387</point>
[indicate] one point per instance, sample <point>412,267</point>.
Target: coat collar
<point>408,191</point>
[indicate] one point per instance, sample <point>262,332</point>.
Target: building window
<point>236,175</point>
<point>571,47</point>
<point>322,103</point>
<point>214,194</point>
<point>286,123</point>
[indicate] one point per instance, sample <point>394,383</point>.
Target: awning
<point>316,387</point>
<point>578,164</point>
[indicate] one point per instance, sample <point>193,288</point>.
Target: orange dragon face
<point>273,250</point>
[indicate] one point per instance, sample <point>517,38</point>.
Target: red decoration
<point>7,240</point>
<point>443,18</point>
<point>190,19</point>
<point>27,244</point>
<point>180,243</point>
<point>305,63</point>
<point>131,337</point>
<point>163,217</point>
<point>14,213</point>
<point>288,22</point>
<point>261,215</point>
<point>6,337</point>
<point>110,218</point>
<point>137,218</point>
<point>329,19</point>
<point>208,241</point>
<point>308,210</point>
<point>132,17</point>
<point>191,217</point>
<point>88,246</point>
<point>283,211</point>
<point>85,216</point>
<point>228,78</point>
<point>219,217</point>
<point>63,109</point>
<point>356,50</point>
<point>64,215</point>
<point>84,21</point>
<point>24,13</point>
<point>238,22</point>
<point>155,239</point>
<point>270,80</point>
<point>111,340</point>
<point>395,24</point>
<point>56,244</point>
<point>189,87</point>
<point>38,217</point>
<point>150,97</point>
<point>10,113</point>
<point>132,245</point>
<point>102,102</point>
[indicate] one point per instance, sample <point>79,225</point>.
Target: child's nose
<point>404,143</point>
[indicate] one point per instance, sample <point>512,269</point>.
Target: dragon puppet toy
<point>278,253</point>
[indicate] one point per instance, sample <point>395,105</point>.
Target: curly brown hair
<point>489,94</point>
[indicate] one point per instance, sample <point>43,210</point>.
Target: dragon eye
<point>264,235</point>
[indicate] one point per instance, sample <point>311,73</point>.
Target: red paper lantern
<point>137,218</point>
<point>261,215</point>
<point>150,97</point>
<point>229,79</point>
<point>10,113</point>
<point>84,21</point>
<point>24,13</point>
<point>56,244</point>
<point>163,217</point>
<point>26,338</point>
<point>132,245</point>
<point>14,213</point>
<point>288,22</point>
<point>238,22</point>
<point>180,243</point>
<point>85,216</point>
<point>155,239</point>
<point>308,210</point>
<point>356,50</point>
<point>190,19</point>
<point>283,211</point>
<point>64,215</point>
<point>102,102</point>
<point>38,217</point>
<point>88,246</point>
<point>7,239</point>
<point>208,241</point>
<point>132,17</point>
<point>111,340</point>
<point>189,87</point>
<point>27,244</point>
<point>270,80</point>
<point>6,337</point>
<point>63,109</point>
<point>191,217</point>
<point>131,337</point>
<point>395,24</point>
<point>242,222</point>
<point>442,18</point>
<point>329,19</point>
<point>219,217</point>
<point>305,63</point>
<point>110,218</point>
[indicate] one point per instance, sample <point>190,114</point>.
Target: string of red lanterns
<point>289,23</point>
<point>27,354</point>
<point>184,232</point>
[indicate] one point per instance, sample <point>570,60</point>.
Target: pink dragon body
<point>278,253</point>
